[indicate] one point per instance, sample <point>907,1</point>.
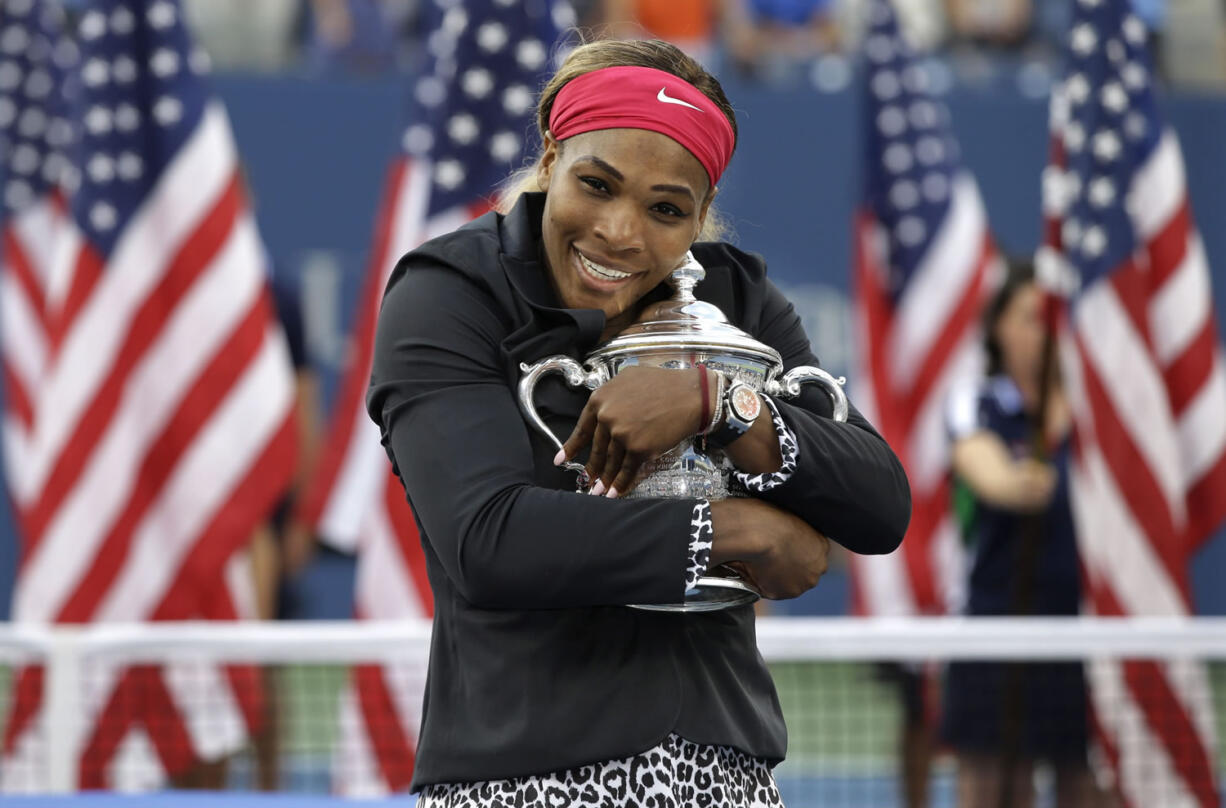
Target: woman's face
<point>621,209</point>
<point>1019,333</point>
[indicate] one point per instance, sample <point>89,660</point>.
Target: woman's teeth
<point>603,273</point>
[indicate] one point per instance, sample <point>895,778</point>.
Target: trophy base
<point>711,594</point>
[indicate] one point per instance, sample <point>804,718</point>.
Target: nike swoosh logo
<point>665,98</point>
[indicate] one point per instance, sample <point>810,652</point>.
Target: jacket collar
<point>523,263</point>
<point>524,267</point>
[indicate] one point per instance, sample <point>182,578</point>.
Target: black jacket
<point>534,665</point>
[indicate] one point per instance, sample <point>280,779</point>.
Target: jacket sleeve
<point>848,483</point>
<point>453,428</point>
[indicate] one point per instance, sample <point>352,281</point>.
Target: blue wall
<point>317,152</point>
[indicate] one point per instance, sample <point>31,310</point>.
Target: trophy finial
<point>685,277</point>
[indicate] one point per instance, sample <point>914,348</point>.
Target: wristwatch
<point>741,408</point>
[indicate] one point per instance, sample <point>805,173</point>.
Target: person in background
<point>245,36</point>
<point>751,33</point>
<point>912,683</point>
<point>698,27</point>
<point>1189,40</point>
<point>797,30</point>
<point>992,23</point>
<point>279,548</point>
<point>359,36</point>
<point>613,705</point>
<point>1003,719</point>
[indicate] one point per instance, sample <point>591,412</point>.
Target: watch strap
<point>732,426</point>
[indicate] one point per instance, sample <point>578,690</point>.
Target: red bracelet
<point>706,396</point>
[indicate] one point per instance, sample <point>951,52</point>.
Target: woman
<point>1003,719</point>
<point>540,681</point>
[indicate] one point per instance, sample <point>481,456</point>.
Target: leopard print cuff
<point>702,531</point>
<point>788,448</point>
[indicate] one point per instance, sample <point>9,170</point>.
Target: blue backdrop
<point>317,151</point>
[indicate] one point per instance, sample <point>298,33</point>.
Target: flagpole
<point>1032,532</point>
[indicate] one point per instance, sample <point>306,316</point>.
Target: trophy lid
<point>684,324</point>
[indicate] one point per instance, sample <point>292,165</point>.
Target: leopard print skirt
<point>673,774</point>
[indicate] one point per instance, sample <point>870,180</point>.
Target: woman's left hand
<point>776,551</point>
<point>636,416</point>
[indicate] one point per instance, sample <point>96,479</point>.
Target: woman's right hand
<point>780,554</point>
<point>1033,484</point>
<point>984,462</point>
<point>633,418</point>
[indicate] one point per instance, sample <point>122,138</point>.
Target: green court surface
<point>843,728</point>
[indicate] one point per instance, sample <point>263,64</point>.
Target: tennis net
<point>870,704</point>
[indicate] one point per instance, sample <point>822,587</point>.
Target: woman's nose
<point>621,228</point>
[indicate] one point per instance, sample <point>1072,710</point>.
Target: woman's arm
<point>983,461</point>
<point>840,478</point>
<point>847,482</point>
<point>778,552</point>
<point>453,429</point>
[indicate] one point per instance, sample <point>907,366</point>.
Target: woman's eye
<point>669,210</point>
<point>595,183</point>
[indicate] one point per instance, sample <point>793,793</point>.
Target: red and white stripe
<point>913,353</point>
<point>161,435</point>
<point>357,504</point>
<point>381,706</point>
<point>27,252</point>
<point>1146,382</point>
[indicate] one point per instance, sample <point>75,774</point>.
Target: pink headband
<point>645,98</point>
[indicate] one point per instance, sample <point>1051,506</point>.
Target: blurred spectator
<point>749,31</point>
<point>279,551</point>
<point>1004,719</point>
<point>242,35</point>
<point>691,25</point>
<point>923,22</point>
<point>1192,41</point>
<point>791,29</point>
<point>998,23</point>
<point>762,37</point>
<point>364,36</point>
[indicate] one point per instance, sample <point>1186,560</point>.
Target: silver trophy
<point>680,333</point>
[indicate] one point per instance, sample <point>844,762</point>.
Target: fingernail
<point>560,457</point>
<point>612,493</point>
<point>598,488</point>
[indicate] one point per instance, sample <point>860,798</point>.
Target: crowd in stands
<point>764,38</point>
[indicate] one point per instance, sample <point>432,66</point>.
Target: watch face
<point>745,402</point>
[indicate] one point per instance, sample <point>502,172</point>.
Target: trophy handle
<point>574,375</point>
<point>789,386</point>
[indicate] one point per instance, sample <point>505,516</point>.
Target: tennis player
<point>543,688</point>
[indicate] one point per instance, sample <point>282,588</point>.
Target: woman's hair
<point>620,53</point>
<point>1019,273</point>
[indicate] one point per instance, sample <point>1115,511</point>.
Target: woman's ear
<point>548,161</point>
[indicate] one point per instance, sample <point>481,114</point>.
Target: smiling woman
<point>543,687</point>
<point>622,208</point>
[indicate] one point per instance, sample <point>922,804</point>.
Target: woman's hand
<point>1032,485</point>
<point>983,461</point>
<point>780,554</point>
<point>636,416</point>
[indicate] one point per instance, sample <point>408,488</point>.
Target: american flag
<point>151,427</point>
<point>35,130</point>
<point>924,264</point>
<point>1139,348</point>
<point>472,113</point>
